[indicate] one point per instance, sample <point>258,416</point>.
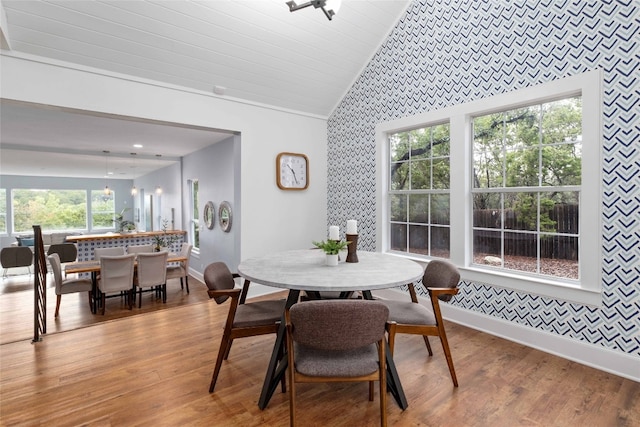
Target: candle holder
<point>352,248</point>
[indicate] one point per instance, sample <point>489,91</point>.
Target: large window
<point>3,211</point>
<point>194,228</point>
<point>103,209</point>
<point>419,191</point>
<point>521,208</point>
<point>50,209</point>
<point>526,188</point>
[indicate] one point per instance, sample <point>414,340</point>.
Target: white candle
<point>334,232</point>
<point>352,226</point>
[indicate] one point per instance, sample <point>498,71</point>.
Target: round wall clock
<point>292,171</point>
<point>209,215</point>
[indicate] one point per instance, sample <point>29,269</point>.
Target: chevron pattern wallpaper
<point>443,53</point>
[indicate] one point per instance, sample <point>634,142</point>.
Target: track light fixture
<point>329,7</point>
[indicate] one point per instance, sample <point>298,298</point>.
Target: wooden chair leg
<point>228,350</point>
<point>164,293</point>
<point>391,330</point>
<point>292,396</point>
<point>104,302</point>
<point>58,298</point>
<point>221,351</point>
<point>383,384</point>
<point>426,341</point>
<point>370,391</point>
<point>90,301</point>
<point>447,354</point>
<point>186,282</point>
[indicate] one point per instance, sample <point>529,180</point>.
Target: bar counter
<point>88,242</point>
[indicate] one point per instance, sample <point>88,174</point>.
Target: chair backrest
<point>186,252</point>
<point>152,268</point>
<point>100,252</point>
<point>137,249</point>
<point>441,274</point>
<point>54,261</point>
<point>67,252</point>
<point>116,273</point>
<point>338,324</point>
<point>16,256</point>
<point>218,277</point>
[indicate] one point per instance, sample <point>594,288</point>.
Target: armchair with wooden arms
<point>334,341</point>
<point>244,319</point>
<point>410,317</point>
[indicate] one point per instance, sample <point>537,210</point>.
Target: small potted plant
<point>124,225</point>
<point>163,240</point>
<point>331,248</point>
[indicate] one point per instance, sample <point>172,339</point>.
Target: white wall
<point>213,167</point>
<point>168,179</point>
<point>272,219</point>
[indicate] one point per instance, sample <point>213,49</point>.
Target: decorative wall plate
<point>225,216</point>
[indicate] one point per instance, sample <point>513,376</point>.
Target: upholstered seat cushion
<point>409,313</point>
<point>347,363</point>
<point>258,313</point>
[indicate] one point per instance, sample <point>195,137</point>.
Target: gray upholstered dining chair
<point>137,249</point>
<point>114,251</point>
<point>410,317</point>
<point>337,340</point>
<point>152,273</point>
<point>67,286</point>
<point>244,319</point>
<point>181,269</point>
<point>116,275</point>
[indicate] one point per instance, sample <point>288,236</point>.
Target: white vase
<point>332,260</point>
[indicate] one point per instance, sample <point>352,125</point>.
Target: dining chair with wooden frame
<point>441,280</point>
<point>244,319</point>
<point>334,341</point>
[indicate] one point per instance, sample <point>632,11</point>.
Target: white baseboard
<point>614,362</point>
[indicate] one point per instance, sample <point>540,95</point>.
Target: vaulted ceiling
<point>255,50</point>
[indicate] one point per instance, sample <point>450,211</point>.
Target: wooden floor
<point>153,369</point>
<point>16,306</point>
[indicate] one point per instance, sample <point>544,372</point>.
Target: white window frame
<point>4,209</point>
<point>588,290</point>
<point>194,220</point>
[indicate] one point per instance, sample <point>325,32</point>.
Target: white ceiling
<point>255,49</point>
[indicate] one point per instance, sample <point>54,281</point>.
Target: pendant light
<point>107,190</point>
<point>134,190</point>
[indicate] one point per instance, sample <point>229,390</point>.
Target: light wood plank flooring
<point>16,306</point>
<point>154,369</point>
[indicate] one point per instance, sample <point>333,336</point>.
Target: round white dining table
<point>306,270</point>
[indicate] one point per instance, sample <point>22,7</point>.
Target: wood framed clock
<point>292,171</point>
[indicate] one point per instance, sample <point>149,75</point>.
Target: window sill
<point>554,289</point>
